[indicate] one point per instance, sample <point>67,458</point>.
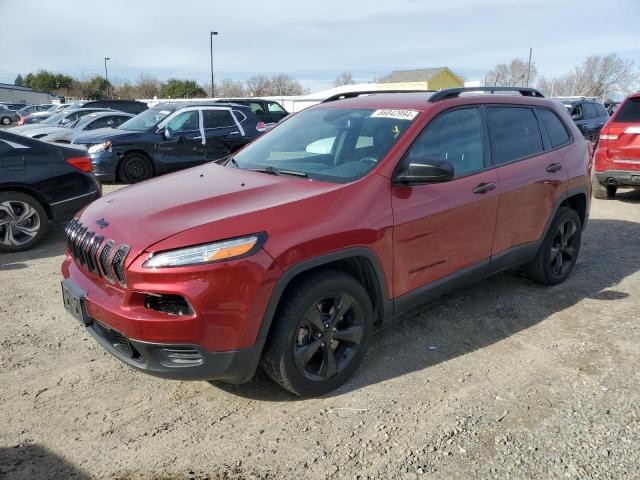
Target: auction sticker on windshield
<point>395,114</point>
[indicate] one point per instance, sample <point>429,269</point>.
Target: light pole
<point>106,72</point>
<point>213,88</point>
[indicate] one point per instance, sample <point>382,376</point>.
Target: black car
<point>40,183</point>
<point>127,106</point>
<point>268,111</point>
<point>168,137</point>
<point>589,116</point>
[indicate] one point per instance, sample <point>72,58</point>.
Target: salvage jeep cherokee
<point>344,215</point>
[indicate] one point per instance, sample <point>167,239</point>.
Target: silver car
<point>7,116</point>
<point>91,121</point>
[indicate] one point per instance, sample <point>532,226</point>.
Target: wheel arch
<point>32,193</point>
<point>140,151</point>
<point>360,262</point>
<point>577,201</point>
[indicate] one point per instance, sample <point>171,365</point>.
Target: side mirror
<point>425,170</point>
<point>166,133</point>
<point>576,116</point>
<point>64,121</point>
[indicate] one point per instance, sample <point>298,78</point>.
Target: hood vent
<point>91,252</point>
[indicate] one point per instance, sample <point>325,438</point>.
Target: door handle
<point>484,188</point>
<point>554,167</point>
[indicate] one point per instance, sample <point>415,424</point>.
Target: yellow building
<point>420,79</point>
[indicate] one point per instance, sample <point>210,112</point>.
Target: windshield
<point>54,119</point>
<point>329,144</point>
<point>145,121</point>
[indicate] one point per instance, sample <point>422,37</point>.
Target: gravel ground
<point>504,379</point>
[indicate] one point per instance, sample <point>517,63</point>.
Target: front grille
<point>94,254</point>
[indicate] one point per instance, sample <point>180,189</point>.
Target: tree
<point>19,81</point>
<point>512,75</point>
<point>230,88</point>
<point>45,81</point>
<point>276,85</point>
<point>258,86</point>
<point>175,88</point>
<point>96,88</point>
<point>345,78</point>
<point>597,76</point>
<point>147,87</point>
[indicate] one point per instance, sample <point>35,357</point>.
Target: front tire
<point>5,121</point>
<point>134,168</point>
<point>559,250</point>
<point>320,334</point>
<point>23,222</point>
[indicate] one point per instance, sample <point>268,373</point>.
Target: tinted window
<point>456,137</point>
<point>101,122</point>
<point>555,128</point>
<point>588,111</point>
<point>217,119</point>
<point>600,110</point>
<point>184,122</point>
<point>629,111</point>
<point>256,108</point>
<point>274,107</point>
<point>515,133</point>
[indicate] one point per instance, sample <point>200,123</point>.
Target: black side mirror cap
<point>420,171</point>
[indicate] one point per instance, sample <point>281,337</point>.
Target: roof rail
<point>455,92</point>
<point>343,95</point>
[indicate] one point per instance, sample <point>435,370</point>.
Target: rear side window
<point>217,119</point>
<point>602,112</point>
<point>454,136</point>
<point>589,111</point>
<point>515,133</point>
<point>241,117</point>
<point>556,130</point>
<point>628,112</point>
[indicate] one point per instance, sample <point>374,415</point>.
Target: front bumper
<point>619,178</point>
<point>105,165</point>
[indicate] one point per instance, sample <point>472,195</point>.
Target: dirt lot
<point>505,379</point>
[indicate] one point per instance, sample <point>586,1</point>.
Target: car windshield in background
<point>328,144</point>
<point>82,121</point>
<point>53,119</point>
<point>145,121</point>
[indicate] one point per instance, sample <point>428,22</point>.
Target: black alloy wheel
<point>135,168</point>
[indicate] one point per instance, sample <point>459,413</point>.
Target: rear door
<point>530,170</point>
<point>223,134</point>
<point>442,228</point>
<point>622,139</point>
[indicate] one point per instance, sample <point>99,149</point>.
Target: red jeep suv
<point>344,215</point>
<point>617,157</point>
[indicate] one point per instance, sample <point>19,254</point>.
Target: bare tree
<point>597,76</point>
<point>283,84</point>
<point>513,74</point>
<point>147,86</point>
<point>259,85</point>
<point>345,78</point>
<point>230,88</point>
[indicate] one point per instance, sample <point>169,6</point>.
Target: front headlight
<point>211,252</point>
<point>99,147</point>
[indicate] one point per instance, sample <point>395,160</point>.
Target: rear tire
<point>134,168</point>
<point>23,222</point>
<point>559,250</point>
<point>320,333</point>
<point>602,192</point>
<point>5,121</point>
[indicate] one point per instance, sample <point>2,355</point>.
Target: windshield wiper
<point>274,171</point>
<point>232,161</point>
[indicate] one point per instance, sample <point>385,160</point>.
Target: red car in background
<point>617,157</point>
<point>345,215</point>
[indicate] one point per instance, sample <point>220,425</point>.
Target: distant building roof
<point>416,75</point>
<point>15,87</point>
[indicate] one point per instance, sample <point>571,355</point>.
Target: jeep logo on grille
<point>102,223</point>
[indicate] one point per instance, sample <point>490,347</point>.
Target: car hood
<point>101,135</point>
<point>25,128</point>
<point>46,130</point>
<point>206,203</point>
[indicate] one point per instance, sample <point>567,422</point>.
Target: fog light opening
<point>169,304</point>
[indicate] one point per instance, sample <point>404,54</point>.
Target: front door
<point>183,145</point>
<point>440,229</point>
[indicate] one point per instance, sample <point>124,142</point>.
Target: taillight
<point>608,136</point>
<point>21,121</point>
<point>81,163</point>
<point>261,127</point>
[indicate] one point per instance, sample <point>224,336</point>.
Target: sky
<point>312,41</point>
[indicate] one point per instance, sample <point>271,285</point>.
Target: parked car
<point>23,112</point>
<point>40,184</point>
<point>59,119</point>
<point>611,106</point>
<point>287,258</point>
<point>89,122</point>
<point>41,116</point>
<point>617,157</point>
<point>7,116</point>
<point>13,106</point>
<point>168,137</point>
<point>589,115</point>
<point>127,106</point>
<point>267,111</point>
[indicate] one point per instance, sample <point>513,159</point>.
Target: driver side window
<point>456,137</point>
<point>184,122</point>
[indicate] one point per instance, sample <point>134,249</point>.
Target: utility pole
<point>529,66</point>
<point>213,88</point>
<point>106,72</point>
